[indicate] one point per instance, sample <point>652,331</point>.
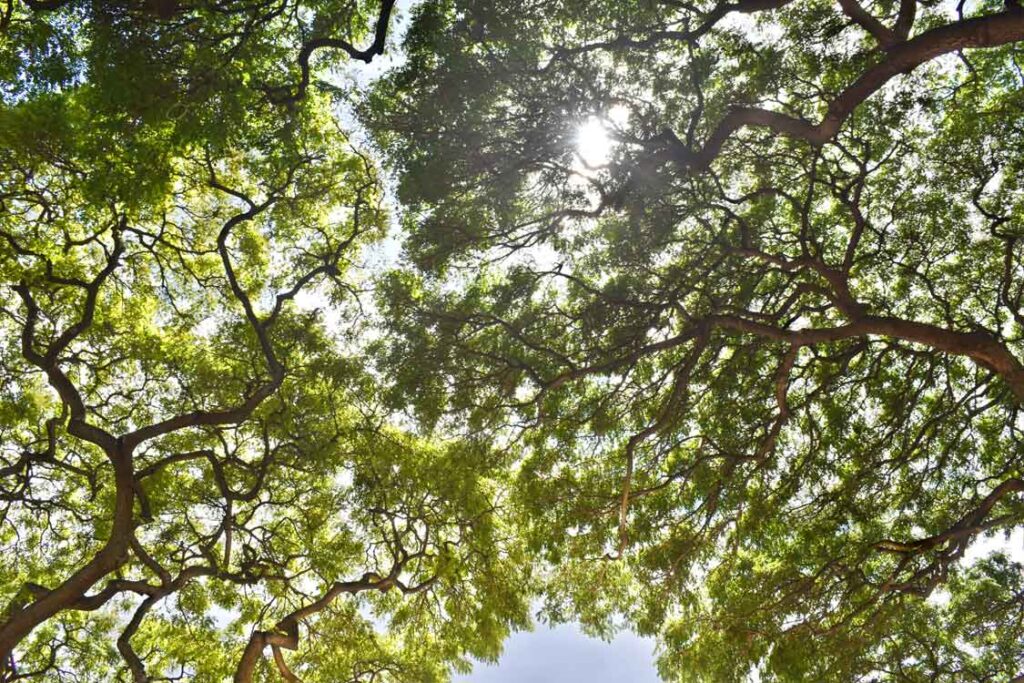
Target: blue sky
<point>564,655</point>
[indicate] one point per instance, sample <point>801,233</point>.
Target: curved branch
<point>966,523</point>
<point>282,666</point>
<point>980,32</point>
<point>243,410</point>
<point>48,360</point>
<point>283,95</point>
<point>980,346</point>
<point>286,633</point>
<point>22,620</point>
<point>955,540</point>
<point>70,594</point>
<point>711,20</point>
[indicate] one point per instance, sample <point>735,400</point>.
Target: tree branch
<point>284,95</point>
<point>980,32</point>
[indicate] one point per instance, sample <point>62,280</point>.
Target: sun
<point>593,143</point>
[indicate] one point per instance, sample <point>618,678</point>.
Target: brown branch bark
<point>282,666</point>
<point>243,410</point>
<point>980,346</point>
<point>21,620</point>
<point>980,32</point>
<point>71,594</point>
<point>905,19</point>
<point>965,525</point>
<point>949,545</point>
<point>286,633</point>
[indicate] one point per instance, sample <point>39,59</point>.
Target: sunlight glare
<point>593,144</point>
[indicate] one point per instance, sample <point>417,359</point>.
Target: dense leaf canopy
<point>711,326</point>
<point>197,479</point>
<point>761,345</point>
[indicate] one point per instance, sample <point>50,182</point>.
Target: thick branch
<point>950,544</point>
<point>49,360</point>
<point>966,525</point>
<point>21,620</point>
<point>979,346</point>
<point>70,594</point>
<point>285,635</point>
<point>980,32</point>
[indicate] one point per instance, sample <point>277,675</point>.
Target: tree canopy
<point>709,325</point>
<point>762,348</point>
<point>198,478</point>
